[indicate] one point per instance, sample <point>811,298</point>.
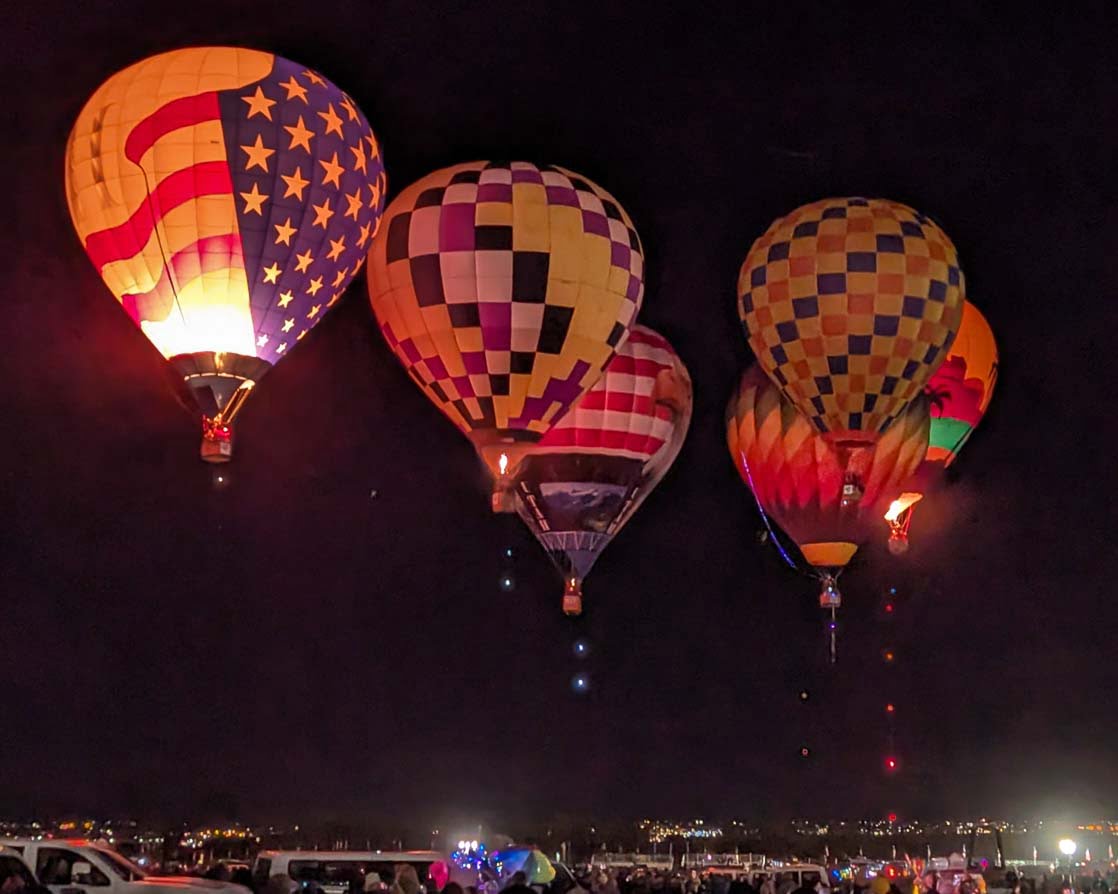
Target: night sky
<point>292,646</point>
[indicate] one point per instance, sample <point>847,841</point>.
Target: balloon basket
<point>502,501</point>
<point>572,598</point>
<point>217,441</point>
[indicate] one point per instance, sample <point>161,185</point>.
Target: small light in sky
<point>580,683</point>
<point>581,648</point>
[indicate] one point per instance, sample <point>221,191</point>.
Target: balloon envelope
<point>504,289</point>
<point>579,486</point>
<point>850,305</point>
<point>961,389</point>
<point>827,499</point>
<point>226,197</point>
<point>192,175</point>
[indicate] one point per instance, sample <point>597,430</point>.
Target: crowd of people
<point>928,882</point>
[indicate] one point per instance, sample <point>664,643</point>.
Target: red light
<point>889,708</point>
<point>889,608</point>
<point>890,763</point>
<point>890,871</point>
<point>892,819</point>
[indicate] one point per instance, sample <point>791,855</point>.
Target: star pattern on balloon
<point>307,165</point>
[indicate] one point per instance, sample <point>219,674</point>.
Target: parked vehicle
<point>15,875</point>
<point>341,872</point>
<point>79,866</point>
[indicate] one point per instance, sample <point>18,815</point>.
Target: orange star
<point>258,154</point>
<point>295,184</point>
<point>286,298</point>
<point>288,324</point>
<point>374,188</point>
<point>359,157</point>
<point>254,201</point>
<point>322,214</point>
<point>365,233</point>
<point>314,286</point>
<point>337,246</point>
<point>313,311</point>
<point>303,261</point>
<point>259,104</point>
<point>285,231</point>
<point>294,88</point>
<point>313,78</point>
<point>299,337</point>
<point>374,149</point>
<point>271,274</point>
<point>350,110</point>
<point>333,298</point>
<point>339,276</point>
<point>280,347</point>
<point>354,202</point>
<point>333,171</point>
<point>300,135</point>
<point>333,122</point>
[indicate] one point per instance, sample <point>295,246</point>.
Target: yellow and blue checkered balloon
<point>851,305</point>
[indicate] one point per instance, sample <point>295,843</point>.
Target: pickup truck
<point>78,866</point>
<point>15,876</point>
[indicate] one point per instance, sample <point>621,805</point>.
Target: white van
<point>805,875</point>
<point>342,872</point>
<point>78,866</point>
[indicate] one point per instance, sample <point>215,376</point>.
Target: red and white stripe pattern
<point>624,414</point>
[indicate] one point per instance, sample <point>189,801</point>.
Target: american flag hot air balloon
<point>226,197</point>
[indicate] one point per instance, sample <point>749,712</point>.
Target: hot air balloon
<point>850,305</point>
<point>227,197</point>
<point>959,391</point>
<point>586,477</point>
<point>504,289</point>
<point>827,500</point>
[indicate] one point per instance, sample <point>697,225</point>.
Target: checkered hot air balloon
<point>227,198</point>
<point>586,477</point>
<point>504,289</point>
<point>850,305</point>
<point>959,391</point>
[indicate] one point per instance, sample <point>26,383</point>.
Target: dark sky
<point>290,646</point>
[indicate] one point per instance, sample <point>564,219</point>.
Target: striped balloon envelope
<point>827,500</point>
<point>850,305</point>
<point>504,289</point>
<point>587,476</point>
<point>226,197</point>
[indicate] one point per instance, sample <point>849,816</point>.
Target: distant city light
<point>1067,847</point>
